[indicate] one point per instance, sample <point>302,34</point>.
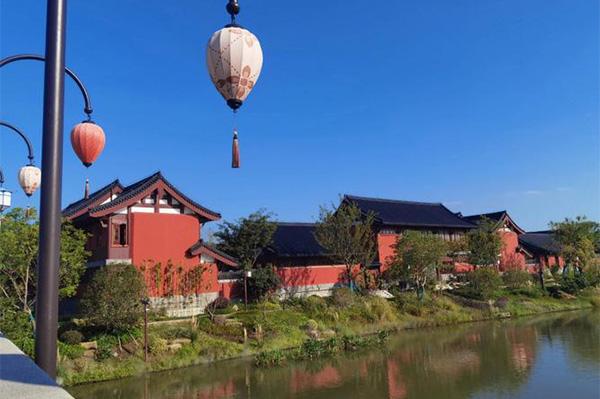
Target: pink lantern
<point>88,141</point>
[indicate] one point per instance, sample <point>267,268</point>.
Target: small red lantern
<point>88,141</point>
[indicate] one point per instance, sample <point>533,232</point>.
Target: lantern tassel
<point>235,151</point>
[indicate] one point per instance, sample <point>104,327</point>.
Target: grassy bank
<point>277,332</point>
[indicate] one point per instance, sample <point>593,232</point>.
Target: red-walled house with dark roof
<point>154,226</point>
<point>513,255</point>
<point>543,247</point>
<point>392,217</point>
<point>305,268</point>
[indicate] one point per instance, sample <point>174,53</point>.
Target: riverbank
<point>268,329</point>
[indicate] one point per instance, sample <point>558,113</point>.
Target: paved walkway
<point>20,378</point>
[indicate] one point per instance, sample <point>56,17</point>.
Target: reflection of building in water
<point>302,380</point>
<point>454,363</point>
<point>396,387</point>
<point>523,346</point>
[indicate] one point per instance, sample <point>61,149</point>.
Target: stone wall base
<point>183,306</point>
<point>322,290</point>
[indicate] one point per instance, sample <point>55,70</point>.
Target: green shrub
<point>174,332</point>
<point>516,279</point>
<point>312,325</point>
<point>485,282</point>
<point>268,305</point>
<point>157,345</point>
<point>380,309</point>
<point>233,331</point>
<point>592,273</point>
<point>16,326</point>
<point>269,359</point>
<point>112,301</point>
<point>343,297</point>
<point>531,292</point>
<point>106,344</point>
<point>71,337</point>
<point>409,303</point>
<point>264,281</point>
<point>71,351</point>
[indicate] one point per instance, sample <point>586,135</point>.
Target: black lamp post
<point>51,189</point>
<point>145,302</point>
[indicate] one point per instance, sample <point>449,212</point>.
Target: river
<point>550,356</point>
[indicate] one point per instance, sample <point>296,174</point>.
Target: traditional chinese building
<point>544,249</point>
<point>154,226</point>
<point>513,255</point>
<point>305,268</point>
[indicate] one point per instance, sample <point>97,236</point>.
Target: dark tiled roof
<point>140,186</point>
<point>295,240</point>
<point>84,203</point>
<point>542,242</point>
<point>495,216</point>
<point>409,213</point>
<point>201,246</point>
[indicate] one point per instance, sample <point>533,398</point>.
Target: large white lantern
<point>5,199</point>
<point>30,178</point>
<point>234,59</point>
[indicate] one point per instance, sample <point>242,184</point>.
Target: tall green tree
<point>417,255</point>
<point>112,300</point>
<point>348,237</point>
<point>579,239</point>
<point>484,244</point>
<point>18,259</point>
<point>246,238</point>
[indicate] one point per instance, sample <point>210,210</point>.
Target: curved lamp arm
<point>86,97</point>
<point>24,137</point>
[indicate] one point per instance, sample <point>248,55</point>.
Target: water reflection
<point>495,359</point>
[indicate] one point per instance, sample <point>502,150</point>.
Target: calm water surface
<point>555,356</point>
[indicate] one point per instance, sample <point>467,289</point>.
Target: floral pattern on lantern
<point>234,59</point>
<point>30,178</point>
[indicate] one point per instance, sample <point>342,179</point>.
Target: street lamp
<point>5,195</point>
<point>51,182</point>
<point>29,175</point>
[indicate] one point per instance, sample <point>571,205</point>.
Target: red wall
<point>311,275</point>
<point>510,258</point>
<point>165,238</point>
<point>157,237</point>
<point>385,246</point>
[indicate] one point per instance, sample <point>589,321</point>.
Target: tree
<point>578,239</point>
<point>18,259</point>
<point>348,237</point>
<point>246,238</point>
<point>264,282</point>
<point>416,257</point>
<point>112,300</point>
<point>484,244</point>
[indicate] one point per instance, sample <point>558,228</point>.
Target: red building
<point>544,250</point>
<point>303,264</point>
<point>154,226</point>
<point>513,255</point>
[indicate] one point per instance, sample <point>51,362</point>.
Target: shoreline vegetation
<point>274,332</point>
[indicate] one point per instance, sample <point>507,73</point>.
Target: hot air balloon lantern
<point>30,178</point>
<point>234,60</point>
<point>87,140</point>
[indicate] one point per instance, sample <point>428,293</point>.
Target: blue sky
<point>482,105</point>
